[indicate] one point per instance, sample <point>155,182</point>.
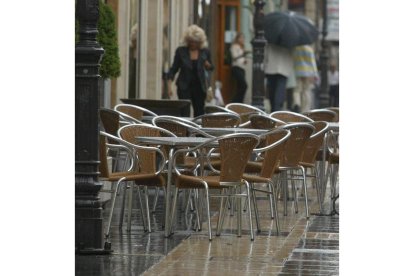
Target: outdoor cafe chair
<point>261,121</point>
<point>275,142</point>
<point>129,111</point>
<point>244,111</point>
<point>146,162</point>
<point>290,117</point>
<point>218,119</point>
<point>292,156</point>
<point>135,173</point>
<point>235,151</point>
<point>325,115</point>
<point>310,153</point>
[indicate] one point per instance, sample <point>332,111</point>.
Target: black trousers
<point>197,96</point>
<point>240,76</point>
<point>276,87</point>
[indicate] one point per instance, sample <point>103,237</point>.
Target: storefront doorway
<point>228,26</point>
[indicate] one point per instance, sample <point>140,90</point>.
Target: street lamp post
<point>88,210</point>
<point>323,59</point>
<point>258,42</point>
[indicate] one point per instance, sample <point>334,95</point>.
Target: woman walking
<point>192,60</point>
<point>238,67</point>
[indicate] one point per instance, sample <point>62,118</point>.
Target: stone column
<point>88,210</point>
<point>258,42</point>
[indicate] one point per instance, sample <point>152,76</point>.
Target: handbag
<point>210,94</point>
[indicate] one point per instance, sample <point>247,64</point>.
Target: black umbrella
<point>289,29</point>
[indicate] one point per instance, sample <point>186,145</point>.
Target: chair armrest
<point>188,150</point>
<point>128,150</point>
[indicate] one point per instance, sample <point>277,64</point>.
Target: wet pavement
<point>304,247</point>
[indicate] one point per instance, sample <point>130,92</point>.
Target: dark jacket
<point>183,63</point>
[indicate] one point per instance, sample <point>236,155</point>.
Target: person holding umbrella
<point>283,31</point>
<point>278,66</point>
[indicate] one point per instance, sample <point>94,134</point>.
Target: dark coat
<point>183,63</point>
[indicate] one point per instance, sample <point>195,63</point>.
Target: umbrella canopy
<point>289,29</point>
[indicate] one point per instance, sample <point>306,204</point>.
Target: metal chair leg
<point>112,206</point>
<point>256,213</point>
<point>318,189</point>
<point>272,215</point>
<point>142,212</point>
<point>220,213</point>
<point>208,212</point>
<point>121,216</point>
<point>198,228</point>
<point>249,210</point>
<point>223,216</point>
<point>285,193</point>
<point>239,213</point>
<point>157,190</point>
<point>295,195</point>
<point>232,202</point>
<point>130,194</point>
<point>305,191</point>
<point>147,209</point>
<point>275,191</point>
<point>171,230</point>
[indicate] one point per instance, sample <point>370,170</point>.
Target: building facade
<point>149,31</point>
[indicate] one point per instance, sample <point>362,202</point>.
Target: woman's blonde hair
<point>195,33</point>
